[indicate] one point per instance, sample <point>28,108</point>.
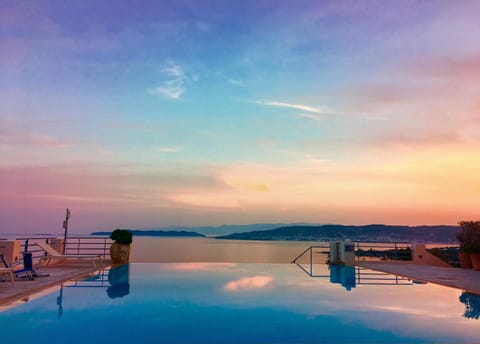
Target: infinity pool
<point>243,303</point>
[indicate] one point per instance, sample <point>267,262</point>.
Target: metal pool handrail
<point>294,261</point>
<point>395,246</point>
<point>88,245</point>
<point>29,245</point>
<point>359,245</point>
<point>73,246</point>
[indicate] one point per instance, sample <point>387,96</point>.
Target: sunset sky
<point>152,113</point>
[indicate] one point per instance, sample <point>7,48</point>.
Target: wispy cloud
<point>174,70</point>
<point>48,141</point>
<point>236,82</point>
<point>169,90</point>
<point>205,200</point>
<point>307,108</point>
<point>309,116</point>
<point>174,87</point>
<point>166,149</point>
<point>29,139</point>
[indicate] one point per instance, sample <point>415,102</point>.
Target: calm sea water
<point>152,249</point>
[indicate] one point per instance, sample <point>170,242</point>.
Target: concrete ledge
<point>421,256</point>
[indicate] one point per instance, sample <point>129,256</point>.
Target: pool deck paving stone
<point>464,279</point>
<point>57,274</point>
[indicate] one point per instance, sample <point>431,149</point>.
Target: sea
<point>202,249</point>
<point>155,249</point>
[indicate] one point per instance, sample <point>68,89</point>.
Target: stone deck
<point>464,279</point>
<point>58,273</point>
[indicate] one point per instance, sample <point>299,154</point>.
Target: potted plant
<point>474,250</point>
<point>120,249</point>
<point>469,238</point>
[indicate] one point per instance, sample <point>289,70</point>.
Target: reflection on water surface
<point>241,303</point>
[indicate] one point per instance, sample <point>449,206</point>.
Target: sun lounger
<point>54,254</point>
<point>8,271</point>
<point>20,270</point>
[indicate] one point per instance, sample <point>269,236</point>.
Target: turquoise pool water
<point>243,303</point>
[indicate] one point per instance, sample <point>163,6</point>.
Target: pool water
<point>243,303</point>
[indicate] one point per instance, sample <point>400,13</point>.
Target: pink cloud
<point>409,182</point>
<point>14,136</point>
<point>248,283</point>
<point>48,141</point>
<point>201,266</point>
<point>206,199</point>
<point>456,67</point>
<point>411,185</point>
<point>428,101</point>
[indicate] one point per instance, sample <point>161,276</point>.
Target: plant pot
<point>465,261</point>
<point>475,257</point>
<point>120,253</point>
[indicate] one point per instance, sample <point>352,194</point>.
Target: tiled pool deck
<point>58,273</point>
<point>465,279</point>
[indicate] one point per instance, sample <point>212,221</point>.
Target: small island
<point>156,233</point>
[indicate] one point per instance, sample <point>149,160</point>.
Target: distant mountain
<point>226,229</point>
<point>371,233</point>
<point>157,233</point>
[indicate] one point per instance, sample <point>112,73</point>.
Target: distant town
<point>371,233</point>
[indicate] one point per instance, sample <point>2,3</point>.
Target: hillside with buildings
<point>371,233</point>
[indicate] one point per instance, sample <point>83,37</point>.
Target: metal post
<point>311,268</point>
<point>65,226</point>
<point>104,247</point>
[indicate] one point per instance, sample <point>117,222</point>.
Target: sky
<point>140,114</point>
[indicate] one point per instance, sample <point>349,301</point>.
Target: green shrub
<point>469,236</point>
<point>122,236</point>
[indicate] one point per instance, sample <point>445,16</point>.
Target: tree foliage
<point>469,236</point>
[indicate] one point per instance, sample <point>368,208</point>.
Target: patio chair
<point>26,270</point>
<point>54,254</point>
<point>9,272</point>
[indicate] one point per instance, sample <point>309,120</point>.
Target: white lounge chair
<point>8,271</point>
<point>54,254</point>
